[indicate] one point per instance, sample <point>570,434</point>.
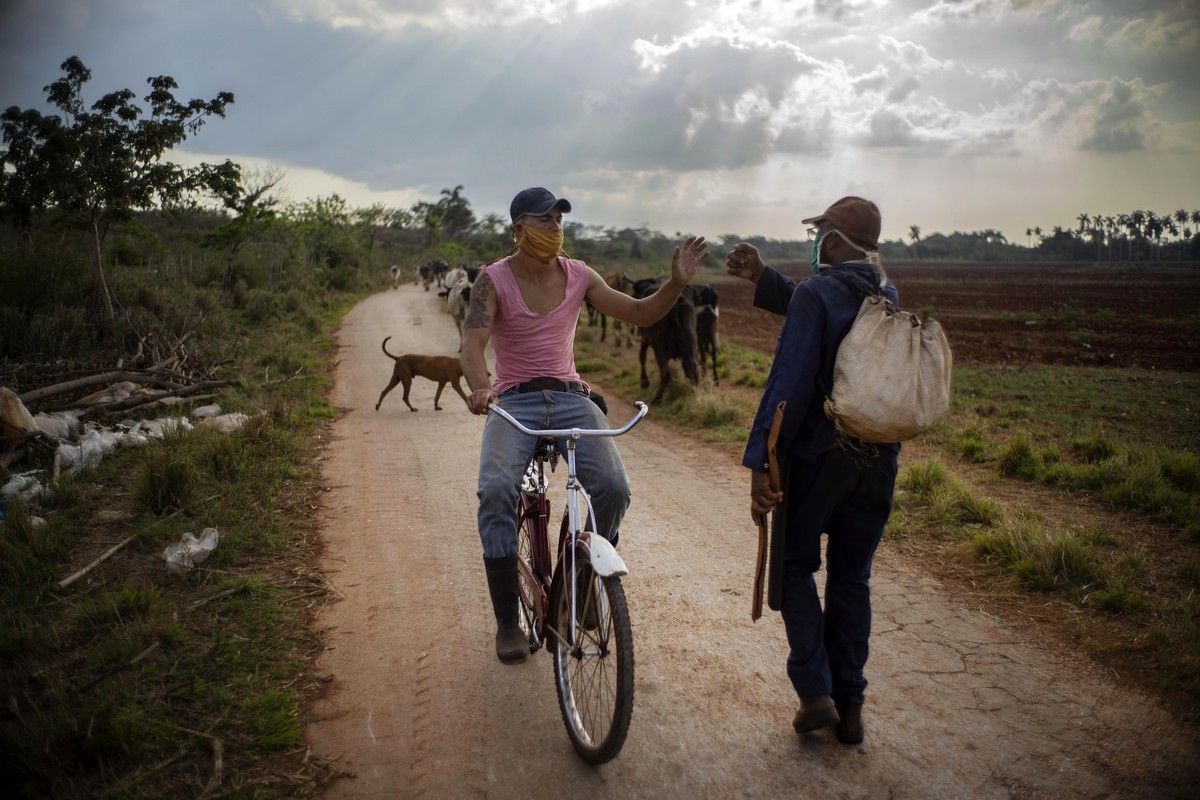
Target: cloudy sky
<point>697,116</point>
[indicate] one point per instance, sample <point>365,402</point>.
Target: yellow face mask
<point>541,245</point>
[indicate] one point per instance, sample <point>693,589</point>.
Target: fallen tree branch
<point>218,750</point>
<point>164,402</point>
<point>101,379</point>
<point>65,582</point>
<point>268,382</point>
<point>150,397</point>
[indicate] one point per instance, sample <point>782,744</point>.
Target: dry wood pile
<point>36,416</point>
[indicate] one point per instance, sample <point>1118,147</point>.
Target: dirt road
<point>959,704</point>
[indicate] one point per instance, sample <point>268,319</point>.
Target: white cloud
<point>910,55</point>
<point>736,114</point>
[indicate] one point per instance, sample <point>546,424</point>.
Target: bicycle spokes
<point>594,672</point>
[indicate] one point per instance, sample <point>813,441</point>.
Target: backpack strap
<point>880,281</point>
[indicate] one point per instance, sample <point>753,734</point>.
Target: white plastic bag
<point>189,551</point>
<point>225,423</point>
<point>204,412</point>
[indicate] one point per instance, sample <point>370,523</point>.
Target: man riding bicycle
<point>527,304</point>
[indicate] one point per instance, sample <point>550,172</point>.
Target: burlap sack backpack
<point>891,377</point>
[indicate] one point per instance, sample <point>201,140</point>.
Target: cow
<point>707,314</point>
<point>452,277</point>
<point>621,331</point>
<point>673,336</point>
<point>458,298</point>
<point>432,272</point>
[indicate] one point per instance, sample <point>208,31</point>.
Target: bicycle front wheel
<point>594,674</point>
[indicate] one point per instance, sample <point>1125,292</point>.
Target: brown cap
<point>855,217</point>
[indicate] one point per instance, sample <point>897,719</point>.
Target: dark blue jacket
<point>819,312</point>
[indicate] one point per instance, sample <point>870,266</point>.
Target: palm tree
<point>914,233</point>
<point>1153,231</point>
<point>1172,231</point>
<point>1029,236</point>
<point>1137,221</point>
<point>1090,225</point>
<point>1181,220</point>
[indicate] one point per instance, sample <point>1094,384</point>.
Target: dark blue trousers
<point>847,495</point>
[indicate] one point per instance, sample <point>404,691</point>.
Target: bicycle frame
<point>585,628</point>
<point>601,554</point>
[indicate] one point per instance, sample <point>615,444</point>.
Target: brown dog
<point>443,369</point>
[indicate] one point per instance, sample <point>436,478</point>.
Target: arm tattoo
<point>477,316</point>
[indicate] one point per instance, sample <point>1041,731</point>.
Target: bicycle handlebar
<point>573,433</point>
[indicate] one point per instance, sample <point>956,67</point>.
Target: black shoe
<point>849,727</point>
<point>815,713</point>
<point>512,645</point>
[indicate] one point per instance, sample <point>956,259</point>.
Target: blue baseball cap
<point>536,201</point>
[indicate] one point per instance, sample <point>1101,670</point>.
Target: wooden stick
<point>102,379</point>
<point>65,582</point>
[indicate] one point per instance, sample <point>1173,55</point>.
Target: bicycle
<point>577,606</point>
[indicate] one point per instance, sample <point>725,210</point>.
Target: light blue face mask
<point>816,253</point>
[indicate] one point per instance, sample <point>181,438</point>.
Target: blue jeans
<point>847,495</point>
<point>506,452</point>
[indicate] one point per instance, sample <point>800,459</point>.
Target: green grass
<point>1081,564</point>
<point>121,670</point>
<point>1129,438</point>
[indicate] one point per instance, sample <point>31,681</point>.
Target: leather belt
<point>550,385</point>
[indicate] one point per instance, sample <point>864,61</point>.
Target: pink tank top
<point>530,345</point>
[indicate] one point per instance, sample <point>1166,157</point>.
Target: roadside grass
<point>134,682</point>
<point>1142,614</point>
<point>1083,564</point>
<point>1127,438</point>
<point>716,414</point>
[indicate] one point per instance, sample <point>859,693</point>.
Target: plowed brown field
<point>1128,316</point>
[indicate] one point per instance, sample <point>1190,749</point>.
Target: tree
<point>321,224</point>
<point>914,235</point>
<point>451,216</point>
<point>370,220</point>
<point>99,165</point>
<point>253,210</point>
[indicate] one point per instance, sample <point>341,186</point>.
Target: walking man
<point>831,485</point>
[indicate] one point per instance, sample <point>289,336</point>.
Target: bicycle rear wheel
<point>594,675</point>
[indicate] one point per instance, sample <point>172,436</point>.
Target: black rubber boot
<point>512,645</point>
<point>850,727</point>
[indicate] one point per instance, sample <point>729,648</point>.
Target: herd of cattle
<point>688,333</point>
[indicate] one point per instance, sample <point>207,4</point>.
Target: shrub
<point>1020,459</point>
<point>1094,450</point>
<point>972,444</point>
<point>924,479</point>
<point>715,410</point>
<point>1182,469</point>
<point>167,481</point>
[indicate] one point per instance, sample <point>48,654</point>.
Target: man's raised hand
<point>688,257</point>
